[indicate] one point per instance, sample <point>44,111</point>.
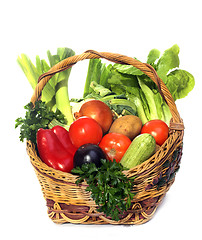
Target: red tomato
<point>85,130</point>
<point>115,145</point>
<point>158,129</point>
<point>99,111</point>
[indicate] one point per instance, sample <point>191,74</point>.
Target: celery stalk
<point>149,95</point>
<point>139,106</point>
<point>167,114</point>
<point>93,74</point>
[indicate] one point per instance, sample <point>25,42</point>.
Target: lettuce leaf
<point>168,61</point>
<point>127,69</point>
<point>153,55</point>
<point>180,83</point>
<point>118,78</point>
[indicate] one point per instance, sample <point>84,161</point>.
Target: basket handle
<point>65,64</point>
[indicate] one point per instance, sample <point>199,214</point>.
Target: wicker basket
<point>69,203</point>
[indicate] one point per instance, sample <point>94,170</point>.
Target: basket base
<point>139,213</point>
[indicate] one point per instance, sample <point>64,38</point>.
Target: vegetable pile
<point>118,123</point>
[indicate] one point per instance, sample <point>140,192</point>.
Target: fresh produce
<point>115,145</point>
<point>120,105</point>
<point>85,130</point>
<point>96,71</point>
<point>124,88</point>
<point>52,151</point>
<point>35,118</point>
<point>158,129</point>
<point>99,111</point>
<point>128,125</point>
<point>141,149</point>
<point>55,93</point>
<point>108,185</point>
<point>63,136</point>
<point>139,89</point>
<point>88,153</point>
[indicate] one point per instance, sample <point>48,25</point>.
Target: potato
<point>128,125</point>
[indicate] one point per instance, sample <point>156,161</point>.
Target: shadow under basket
<point>68,202</point>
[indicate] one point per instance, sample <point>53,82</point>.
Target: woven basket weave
<point>69,203</point>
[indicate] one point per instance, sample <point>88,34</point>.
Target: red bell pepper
<point>52,151</point>
<point>64,138</point>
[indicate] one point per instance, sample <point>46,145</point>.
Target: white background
<point>128,27</point>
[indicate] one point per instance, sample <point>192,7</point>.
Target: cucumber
<point>141,149</point>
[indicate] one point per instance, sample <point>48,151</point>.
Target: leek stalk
<point>55,93</point>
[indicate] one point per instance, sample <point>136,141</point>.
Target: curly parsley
<point>110,188</point>
<point>38,117</point>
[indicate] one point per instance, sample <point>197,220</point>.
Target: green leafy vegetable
<point>180,83</point>
<point>168,61</point>
<point>97,73</point>
<point>122,106</point>
<point>153,55</point>
<point>109,186</point>
<point>127,69</point>
<point>140,90</point>
<point>99,89</point>
<point>38,117</point>
<point>120,79</point>
<point>149,96</point>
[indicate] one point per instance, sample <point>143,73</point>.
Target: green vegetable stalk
<point>149,95</point>
<point>33,72</point>
<point>139,106</point>
<point>97,73</point>
<point>55,93</point>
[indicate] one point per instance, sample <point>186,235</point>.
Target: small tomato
<point>114,145</point>
<point>85,130</point>
<point>158,129</point>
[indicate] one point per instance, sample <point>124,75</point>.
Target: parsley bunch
<point>109,186</point>
<point>38,117</point>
